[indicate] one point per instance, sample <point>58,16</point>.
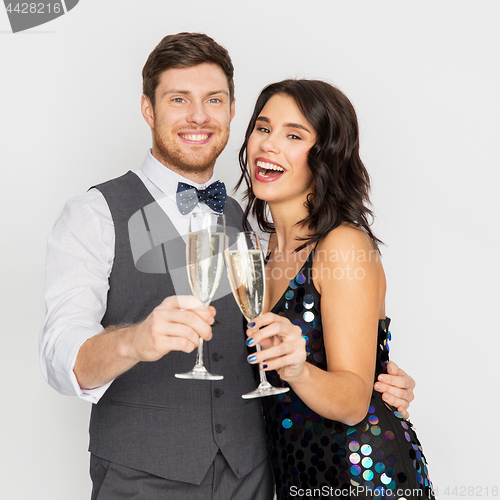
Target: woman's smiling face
<point>278,151</point>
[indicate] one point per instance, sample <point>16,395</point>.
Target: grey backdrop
<point>423,76</point>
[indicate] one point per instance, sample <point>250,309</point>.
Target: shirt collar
<point>166,180</point>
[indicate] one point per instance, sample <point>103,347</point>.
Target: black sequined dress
<point>314,457</point>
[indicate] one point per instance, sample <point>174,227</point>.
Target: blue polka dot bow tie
<point>188,196</point>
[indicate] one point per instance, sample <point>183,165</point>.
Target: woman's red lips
<point>267,171</point>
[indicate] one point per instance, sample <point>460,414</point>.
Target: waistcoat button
<point>219,428</point>
<point>218,393</point>
<point>216,356</point>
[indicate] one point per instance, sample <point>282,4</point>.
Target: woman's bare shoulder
<point>348,238</point>
<point>348,256</point>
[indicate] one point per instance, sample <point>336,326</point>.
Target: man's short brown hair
<point>184,50</point>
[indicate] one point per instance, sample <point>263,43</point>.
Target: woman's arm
<point>349,276</point>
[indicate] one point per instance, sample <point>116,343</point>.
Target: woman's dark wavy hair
<point>341,181</point>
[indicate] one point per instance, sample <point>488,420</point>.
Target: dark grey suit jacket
<point>148,419</point>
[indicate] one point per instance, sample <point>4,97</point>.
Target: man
<point>152,435</point>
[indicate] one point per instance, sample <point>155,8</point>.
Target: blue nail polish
<point>250,341</point>
<point>251,325</point>
<point>264,367</point>
<point>252,359</point>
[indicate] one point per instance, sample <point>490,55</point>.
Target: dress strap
<point>313,251</point>
<point>268,256</point>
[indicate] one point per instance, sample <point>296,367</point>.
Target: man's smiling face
<point>190,120</point>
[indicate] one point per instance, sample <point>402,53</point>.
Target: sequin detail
<point>309,451</point>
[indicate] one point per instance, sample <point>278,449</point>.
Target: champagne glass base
<point>199,373</point>
<point>265,390</point>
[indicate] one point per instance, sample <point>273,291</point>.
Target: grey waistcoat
<point>148,419</point>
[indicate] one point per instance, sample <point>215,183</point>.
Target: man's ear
<point>233,110</point>
<point>147,110</point>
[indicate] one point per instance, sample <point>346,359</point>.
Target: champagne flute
<point>205,261</point>
<point>245,264</point>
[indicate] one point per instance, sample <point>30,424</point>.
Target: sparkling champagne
<point>204,263</point>
<point>245,264</point>
<point>246,276</point>
<point>205,254</point>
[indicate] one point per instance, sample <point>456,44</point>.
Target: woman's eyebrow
<point>297,125</point>
<point>288,125</point>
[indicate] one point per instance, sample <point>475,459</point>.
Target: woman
<point>331,431</point>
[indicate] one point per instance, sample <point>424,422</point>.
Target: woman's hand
<point>283,346</point>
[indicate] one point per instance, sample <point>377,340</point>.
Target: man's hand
<point>396,387</point>
<point>175,325</point>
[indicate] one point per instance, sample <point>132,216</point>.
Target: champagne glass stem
<point>262,373</point>
<point>199,356</point>
<point>264,388</point>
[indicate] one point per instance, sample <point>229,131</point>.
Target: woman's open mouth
<point>266,171</point>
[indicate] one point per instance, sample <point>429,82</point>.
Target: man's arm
<point>175,325</point>
<point>80,254</point>
<point>396,387</point>
<point>77,357</point>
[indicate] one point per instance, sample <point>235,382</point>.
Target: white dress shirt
<point>80,255</point>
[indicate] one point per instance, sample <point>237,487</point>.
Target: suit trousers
<point>111,481</point>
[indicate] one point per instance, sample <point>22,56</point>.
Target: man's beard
<point>173,156</point>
